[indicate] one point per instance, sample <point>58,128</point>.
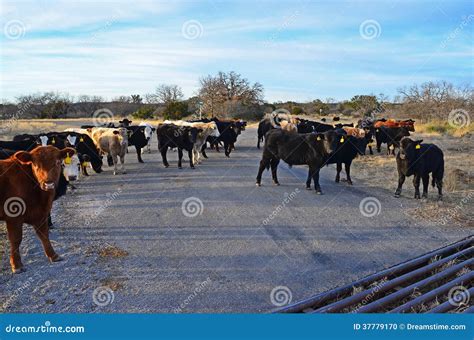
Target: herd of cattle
<point>35,170</point>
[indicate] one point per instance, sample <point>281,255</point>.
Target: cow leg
<point>110,160</point>
<point>50,222</point>
<point>190,155</point>
<point>180,158</point>
<point>203,150</point>
<point>42,231</point>
<point>338,172</point>
<point>439,185</point>
<point>370,150</point>
<point>401,180</point>
<point>84,170</point>
<point>139,154</point>
<point>347,167</point>
<point>163,151</point>
<point>115,161</point>
<point>264,164</point>
<point>15,235</point>
<point>426,182</point>
<point>317,187</point>
<point>379,145</point>
<point>227,147</point>
<point>416,184</point>
<point>274,165</point>
<point>122,163</point>
<point>308,179</point>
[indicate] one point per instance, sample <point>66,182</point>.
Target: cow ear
<point>115,132</point>
<point>319,136</point>
<point>23,157</point>
<point>89,130</point>
<point>66,152</point>
<point>419,141</point>
<point>153,129</point>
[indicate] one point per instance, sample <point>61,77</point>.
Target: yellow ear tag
<point>81,140</point>
<point>67,160</point>
<point>85,164</point>
<point>418,146</point>
<point>318,138</point>
<point>53,141</point>
<point>342,140</point>
<point>377,130</point>
<point>391,147</point>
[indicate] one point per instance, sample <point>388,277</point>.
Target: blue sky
<point>299,50</point>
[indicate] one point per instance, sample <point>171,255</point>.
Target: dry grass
<point>111,251</point>
<point>444,128</point>
<point>112,283</point>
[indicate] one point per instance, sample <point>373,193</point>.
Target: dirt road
<point>209,240</point>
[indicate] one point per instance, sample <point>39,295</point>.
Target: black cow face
<point>409,149</point>
<point>331,141</point>
<point>193,133</point>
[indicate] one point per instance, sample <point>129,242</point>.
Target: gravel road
<point>209,240</point>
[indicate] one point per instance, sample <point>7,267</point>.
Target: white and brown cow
<point>113,142</point>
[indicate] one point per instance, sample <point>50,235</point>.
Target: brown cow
<point>29,181</point>
<point>356,132</point>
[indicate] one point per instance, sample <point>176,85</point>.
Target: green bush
<point>297,110</point>
<point>176,110</point>
<point>144,112</point>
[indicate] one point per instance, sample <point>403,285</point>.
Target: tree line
<point>229,94</point>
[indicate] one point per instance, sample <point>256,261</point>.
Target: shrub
<point>297,110</point>
<point>144,112</point>
<point>175,110</point>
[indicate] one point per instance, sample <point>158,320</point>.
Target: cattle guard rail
<point>419,285</point>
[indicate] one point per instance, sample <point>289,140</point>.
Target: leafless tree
<point>166,94</point>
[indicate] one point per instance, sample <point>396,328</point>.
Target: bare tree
<point>166,94</point>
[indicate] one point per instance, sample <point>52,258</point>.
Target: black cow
<point>125,123</point>
<point>391,136</point>
<point>136,137</point>
<point>420,160</point>
<point>297,149</point>
<point>84,145</point>
<point>263,127</point>
<point>307,126</point>
<point>22,145</point>
<point>173,136</point>
<point>228,132</point>
<point>348,148</point>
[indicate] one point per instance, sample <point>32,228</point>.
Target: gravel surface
<point>209,240</point>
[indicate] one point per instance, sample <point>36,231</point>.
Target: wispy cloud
<point>298,50</point>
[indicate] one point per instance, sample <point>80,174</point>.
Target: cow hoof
<point>258,184</point>
<point>440,198</point>
<point>18,270</point>
<point>115,172</point>
<point>337,180</point>
<point>397,195</point>
<point>349,182</point>
<point>276,183</point>
<point>167,166</point>
<point>308,188</point>
<point>55,258</point>
<point>193,167</point>
<point>124,172</point>
<point>141,161</point>
<point>417,197</point>
<point>319,192</point>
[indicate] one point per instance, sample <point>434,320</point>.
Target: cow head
<point>71,167</point>
<point>46,164</point>
<point>403,132</point>
<point>409,149</point>
<point>193,133</point>
<point>71,140</point>
<point>214,129</point>
<point>43,140</point>
<point>329,140</point>
<point>148,131</point>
